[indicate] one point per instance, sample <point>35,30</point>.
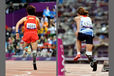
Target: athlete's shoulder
<point>77,18</point>
<point>89,18</point>
<point>24,18</point>
<point>37,18</point>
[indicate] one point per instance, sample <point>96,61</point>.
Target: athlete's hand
<point>76,33</point>
<point>17,36</point>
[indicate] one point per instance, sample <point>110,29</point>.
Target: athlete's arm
<point>77,20</point>
<point>38,23</point>
<point>19,23</point>
<point>17,26</point>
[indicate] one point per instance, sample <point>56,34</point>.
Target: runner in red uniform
<point>31,26</point>
<point>30,31</point>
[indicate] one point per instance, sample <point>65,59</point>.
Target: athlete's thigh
<point>25,44</point>
<point>34,45</point>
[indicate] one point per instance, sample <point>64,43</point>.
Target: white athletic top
<point>86,25</point>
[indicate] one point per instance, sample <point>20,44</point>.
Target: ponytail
<point>85,13</point>
<point>82,11</point>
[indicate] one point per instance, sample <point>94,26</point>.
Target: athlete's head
<point>82,11</point>
<point>31,10</point>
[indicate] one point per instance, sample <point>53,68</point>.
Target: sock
<point>78,53</point>
<point>34,51</point>
<point>89,53</point>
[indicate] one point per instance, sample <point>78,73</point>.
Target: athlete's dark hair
<point>31,10</point>
<point>82,11</point>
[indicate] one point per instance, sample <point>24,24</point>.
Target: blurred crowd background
<point>13,5</point>
<point>47,33</point>
<point>27,1</point>
<point>98,11</point>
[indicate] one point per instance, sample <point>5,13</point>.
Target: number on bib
<point>86,24</point>
<point>31,26</point>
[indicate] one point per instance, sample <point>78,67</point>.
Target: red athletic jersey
<point>30,24</point>
<point>30,29</point>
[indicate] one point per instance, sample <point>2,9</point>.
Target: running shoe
<point>77,57</point>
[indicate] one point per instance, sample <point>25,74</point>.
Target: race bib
<point>31,26</point>
<point>86,24</point>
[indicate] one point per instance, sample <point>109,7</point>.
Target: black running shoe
<point>93,62</point>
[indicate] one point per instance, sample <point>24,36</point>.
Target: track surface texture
<point>83,70</point>
<point>25,68</point>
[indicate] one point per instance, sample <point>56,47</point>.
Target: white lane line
<point>28,72</point>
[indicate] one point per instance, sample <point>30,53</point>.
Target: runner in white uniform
<point>86,25</point>
<point>84,32</point>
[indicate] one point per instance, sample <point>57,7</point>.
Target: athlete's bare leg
<point>25,50</point>
<point>78,47</point>
<point>34,45</point>
<point>25,44</point>
<point>34,48</point>
<point>89,48</point>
